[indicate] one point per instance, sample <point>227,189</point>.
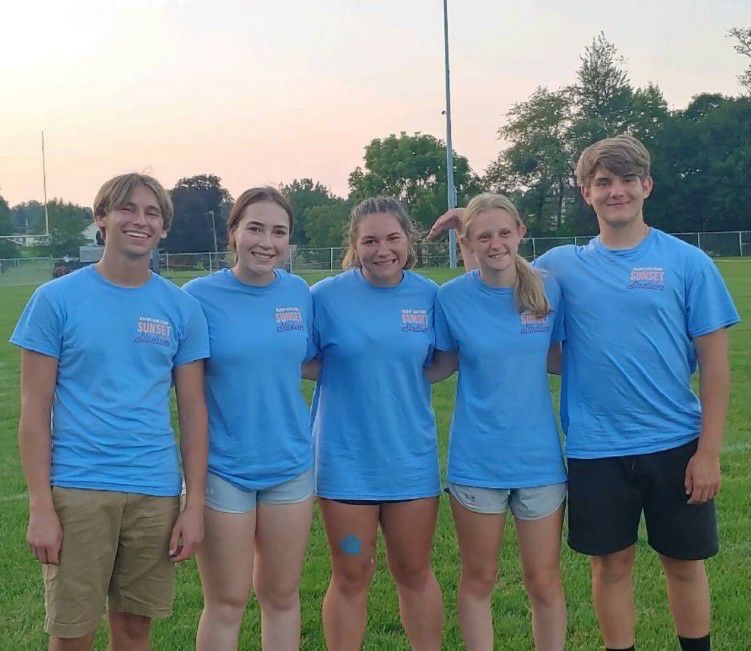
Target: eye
<point>254,228</point>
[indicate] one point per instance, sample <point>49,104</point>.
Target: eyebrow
<point>255,223</point>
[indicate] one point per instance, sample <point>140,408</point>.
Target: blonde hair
<point>529,288</point>
<point>115,194</point>
<point>374,206</point>
<point>621,155</point>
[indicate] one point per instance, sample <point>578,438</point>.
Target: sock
<point>695,643</point>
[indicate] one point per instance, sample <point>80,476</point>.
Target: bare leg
<point>408,529</point>
<point>540,549</point>
<point>282,532</point>
<point>688,596</point>
<point>613,596</point>
<point>479,536</point>
<point>71,643</point>
<point>351,532</point>
<point>129,632</point>
<point>225,563</point>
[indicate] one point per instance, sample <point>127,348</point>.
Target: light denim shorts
<point>227,498</point>
<point>530,503</point>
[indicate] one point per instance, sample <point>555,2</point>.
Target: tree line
<point>701,164</point>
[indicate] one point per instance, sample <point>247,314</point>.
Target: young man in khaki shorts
<point>100,350</point>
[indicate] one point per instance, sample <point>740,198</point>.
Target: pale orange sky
<point>260,92</point>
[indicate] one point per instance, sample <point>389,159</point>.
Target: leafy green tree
<point>195,199</point>
<point>7,248</point>
<point>28,217</point>
<point>742,45</point>
<point>701,166</point>
<point>303,195</point>
<point>67,222</point>
<point>412,168</point>
<point>326,225</point>
<point>536,167</point>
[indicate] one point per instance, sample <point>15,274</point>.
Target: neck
<point>623,237</point>
<point>499,277</point>
<point>383,282</point>
<point>244,275</point>
<point>122,271</point>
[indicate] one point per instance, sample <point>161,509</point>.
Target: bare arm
<point>452,218</point>
<point>188,530</point>
<point>38,379</point>
<point>443,364</point>
<point>555,354</point>
<point>311,370</point>
<point>703,470</point>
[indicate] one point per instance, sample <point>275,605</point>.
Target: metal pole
<point>451,190</point>
<point>213,230</point>
<point>331,259</point>
<point>44,182</point>
<point>740,243</point>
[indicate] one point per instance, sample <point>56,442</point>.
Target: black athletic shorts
<point>607,496</point>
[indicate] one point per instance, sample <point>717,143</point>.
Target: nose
<point>616,188</point>
<point>266,238</point>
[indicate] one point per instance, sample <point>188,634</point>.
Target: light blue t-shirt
<point>259,434</point>
<point>116,349</point>
<point>372,419</point>
<point>503,433</point>
<point>630,317</point>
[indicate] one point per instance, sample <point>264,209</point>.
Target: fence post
<point>331,259</point>
<point>698,240</point>
<point>166,260</point>
<point>534,249</point>
<point>740,243</point>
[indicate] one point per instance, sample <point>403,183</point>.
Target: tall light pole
<point>451,189</point>
<point>44,181</point>
<point>213,230</point>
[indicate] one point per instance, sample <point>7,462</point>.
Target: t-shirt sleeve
<point>709,305</point>
<point>194,343</point>
<point>40,327</point>
<point>444,340</point>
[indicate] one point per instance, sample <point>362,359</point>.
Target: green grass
<point>21,600</point>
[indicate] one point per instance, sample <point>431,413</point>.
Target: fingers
<point>46,553</point>
<point>175,548</point>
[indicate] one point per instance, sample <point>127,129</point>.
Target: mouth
<point>383,263</point>
<point>263,257</point>
<point>138,235</point>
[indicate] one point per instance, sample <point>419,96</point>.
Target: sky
<point>262,92</point>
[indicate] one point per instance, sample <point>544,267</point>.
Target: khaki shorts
<point>114,555</point>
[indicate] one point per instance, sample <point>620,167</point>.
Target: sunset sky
<point>264,92</point>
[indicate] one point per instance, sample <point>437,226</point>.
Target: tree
<point>67,221</point>
<point>303,195</point>
<point>536,167</point>
<point>326,225</point>
<point>701,167</point>
<point>195,199</point>
<point>28,217</point>
<point>7,248</point>
<point>742,45</point>
<point>413,170</point>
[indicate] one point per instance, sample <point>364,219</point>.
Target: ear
<point>522,231</point>
<point>647,184</point>
<point>584,189</point>
<point>465,243</point>
<point>163,235</point>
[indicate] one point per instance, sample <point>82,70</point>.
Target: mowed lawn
<point>21,595</point>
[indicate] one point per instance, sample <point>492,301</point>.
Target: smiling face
<point>382,248</point>
<point>261,242</point>
<point>494,236</point>
<point>134,228</point>
<point>617,200</point>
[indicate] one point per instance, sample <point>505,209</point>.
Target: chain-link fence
<point>183,266</point>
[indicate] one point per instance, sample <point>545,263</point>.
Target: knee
<point>130,628</point>
<point>683,571</point>
<point>479,580</point>
<point>411,575</point>
<point>544,587</point>
<point>612,568</point>
<point>226,608</point>
<point>278,597</point>
<point>353,578</point>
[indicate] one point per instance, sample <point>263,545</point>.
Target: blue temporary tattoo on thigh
<point>350,544</point>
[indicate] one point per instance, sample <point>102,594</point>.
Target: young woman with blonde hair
<point>499,325</point>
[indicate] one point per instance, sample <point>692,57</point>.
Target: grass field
<point>21,600</point>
